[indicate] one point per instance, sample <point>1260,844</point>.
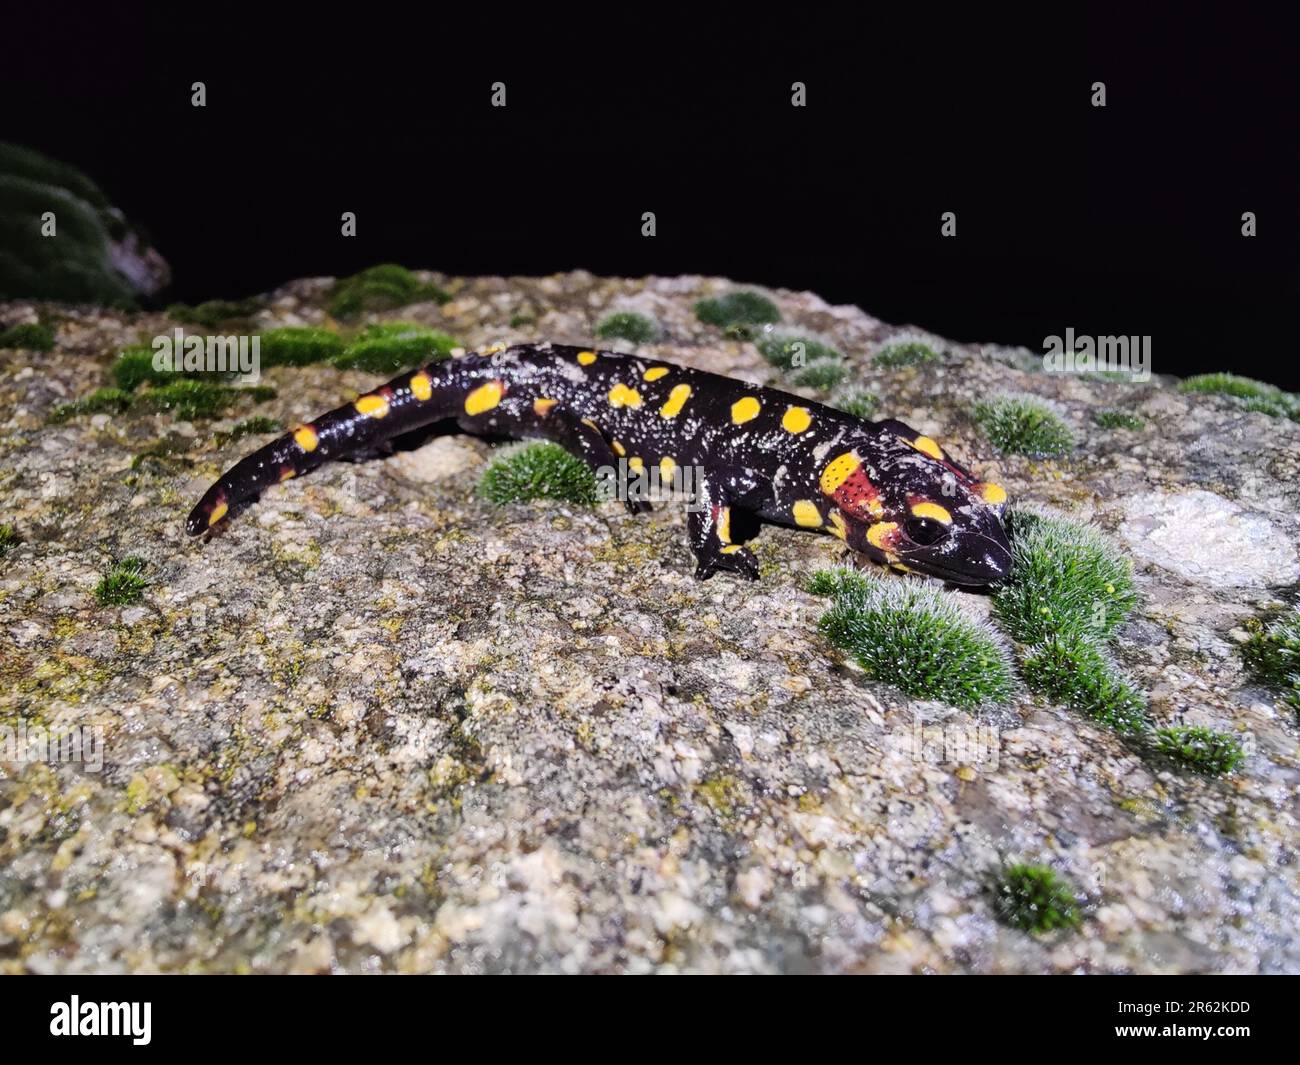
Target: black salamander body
<point>744,452</point>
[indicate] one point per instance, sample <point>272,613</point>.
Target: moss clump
<point>1023,425</point>
<point>1033,898</point>
<point>191,399</point>
<point>823,374</point>
<point>8,537</point>
<point>211,313</point>
<point>123,584</point>
<point>519,321</point>
<point>100,401</point>
<point>1248,393</point>
<point>627,325</point>
<point>1071,668</point>
<point>859,402</point>
<point>390,347</point>
<point>906,353</point>
<point>135,366</point>
<point>794,352</point>
<point>299,346</point>
<point>1064,574</point>
<point>255,426</point>
<point>1112,418</point>
<point>910,636</point>
<point>31,335</point>
<point>737,309</point>
<point>1273,657</point>
<point>525,472</point>
<point>1200,749</point>
<point>380,288</point>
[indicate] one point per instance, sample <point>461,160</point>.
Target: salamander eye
<point>924,531</point>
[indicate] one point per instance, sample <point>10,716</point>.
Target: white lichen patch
<point>1208,539</point>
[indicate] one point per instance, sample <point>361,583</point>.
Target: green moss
<point>1248,393</point>
<point>100,401</point>
<point>1200,749</point>
<point>8,538</point>
<point>190,399</point>
<point>390,347</point>
<point>519,321</point>
<point>255,426</point>
<point>123,584</point>
<point>628,325</point>
<point>1064,574</point>
<point>135,366</point>
<point>909,635</point>
<point>32,335</point>
<point>537,471</point>
<point>1112,418</point>
<point>906,353</point>
<point>1071,668</point>
<point>211,313</point>
<point>737,308</point>
<point>380,288</point>
<point>794,352</point>
<point>1034,898</point>
<point>299,346</point>
<point>1273,657</point>
<point>858,402</point>
<point>1023,425</point>
<point>823,374</point>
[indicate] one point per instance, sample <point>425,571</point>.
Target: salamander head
<point>903,502</point>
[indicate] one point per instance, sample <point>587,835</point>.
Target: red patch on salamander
<point>858,497</point>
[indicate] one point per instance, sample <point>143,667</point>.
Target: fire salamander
<point>755,455</point>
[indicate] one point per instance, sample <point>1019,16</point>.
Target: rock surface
<point>380,725</point>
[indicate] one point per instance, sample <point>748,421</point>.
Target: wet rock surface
<point>379,724</point>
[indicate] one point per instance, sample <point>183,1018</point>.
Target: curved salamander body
<point>752,453</point>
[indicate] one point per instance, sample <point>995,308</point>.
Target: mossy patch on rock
<point>1023,425</point>
<point>380,288</point>
<point>1063,574</point>
<point>32,335</point>
<point>905,353</point>
<point>794,352</point>
<point>1273,657</point>
<point>390,347</point>
<point>821,375</point>
<point>524,472</point>
<point>1200,749</point>
<point>8,537</point>
<point>123,584</point>
<point>1246,392</point>
<point>628,325</point>
<point>1113,418</point>
<point>100,401</point>
<point>1034,898</point>
<point>189,400</point>
<point>858,402</point>
<point>299,346</point>
<point>1070,667</point>
<point>212,313</point>
<point>135,366</point>
<point>737,309</point>
<point>909,635</point>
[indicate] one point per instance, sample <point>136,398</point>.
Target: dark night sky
<point>1122,220</point>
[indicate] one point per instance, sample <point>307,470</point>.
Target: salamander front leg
<point>713,521</point>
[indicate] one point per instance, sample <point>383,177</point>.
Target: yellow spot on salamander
<point>619,449</point>
<point>421,386</point>
<point>542,407</point>
<point>837,525</point>
<point>218,512</point>
<point>590,424</point>
<point>655,372</point>
<point>927,446</point>
<point>932,510</point>
<point>484,398</point>
<point>622,396</point>
<point>992,493</point>
<point>306,438</point>
<point>878,534</point>
<point>745,410</point>
<point>796,419</point>
<point>839,471</point>
<point>635,464</point>
<point>287,473</point>
<point>667,467</point>
<point>676,401</point>
<point>724,525</point>
<point>586,358</point>
<point>372,406</point>
<point>806,514</point>
<point>731,549</point>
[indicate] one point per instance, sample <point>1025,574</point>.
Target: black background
<point>1122,220</point>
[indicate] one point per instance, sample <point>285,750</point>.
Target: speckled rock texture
<point>380,725</point>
